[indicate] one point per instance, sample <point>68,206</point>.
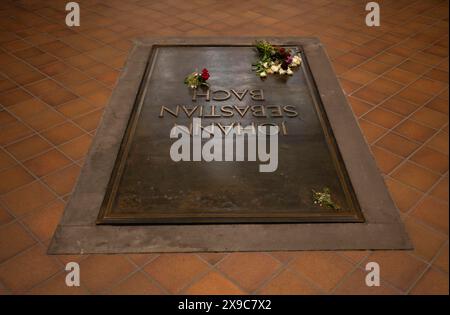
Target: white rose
<point>297,60</point>
<point>263,74</point>
<point>275,68</point>
<point>265,65</point>
<point>269,71</point>
<point>282,72</point>
<point>289,71</point>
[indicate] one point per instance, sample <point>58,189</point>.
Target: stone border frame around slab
<point>77,232</point>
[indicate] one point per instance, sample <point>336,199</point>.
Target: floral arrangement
<point>196,79</point>
<point>323,199</point>
<point>275,59</point>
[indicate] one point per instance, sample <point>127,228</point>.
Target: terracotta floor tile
<point>141,259</point>
<point>138,283</point>
<point>47,162</point>
<point>87,87</point>
<point>389,59</point>
<point>385,86</point>
<point>375,67</point>
<point>59,49</point>
<point>29,108</point>
<point>316,267</point>
<point>62,133</point>
<point>414,96</point>
<point>20,273</point>
<point>13,132</point>
<point>97,69</point>
<point>356,256</point>
<point>283,256</point>
<point>28,198</point>
<point>360,76</point>
<point>398,268</point>
<point>176,271</point>
<point>439,142</point>
<point>100,272</point>
<point>13,240</point>
<point>77,148</point>
<point>99,98</point>
<point>415,131</point>
<point>430,117</point>
<point>415,176</point>
<point>75,108</point>
<point>397,144</point>
<point>42,222</point>
<point>442,259</point>
<point>441,190</point>
<point>81,61</point>
<point>13,178</point>
<point>42,87</point>
<point>44,120</point>
<point>428,86</point>
<point>359,107</point>
<point>433,212</point>
<point>383,118</point>
<point>438,104</point>
<point>431,159</point>
<point>55,68</point>
<point>351,60</point>
<point>401,76</point>
<point>6,161</point>
<point>58,97</point>
<point>414,67</point>
<point>6,84</point>
<point>5,217</point>
<point>6,118</point>
<point>288,282</point>
<point>426,58</point>
<point>355,284</point>
<point>249,270</point>
<point>433,282</point>
<point>213,258</point>
<point>438,75</point>
<point>426,241</point>
<point>386,161</point>
<point>28,147</point>
<point>404,196</point>
<point>29,77</point>
<point>400,106</point>
<point>370,95</point>
<point>89,122</point>
<point>72,78</point>
<point>213,283</point>
<point>13,97</point>
<point>349,86</point>
<point>63,181</point>
<point>371,131</point>
<point>57,286</point>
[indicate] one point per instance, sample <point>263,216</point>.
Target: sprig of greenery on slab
<point>323,199</point>
<point>276,60</point>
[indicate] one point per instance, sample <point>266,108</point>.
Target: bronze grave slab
<point>131,197</point>
<point>148,187</point>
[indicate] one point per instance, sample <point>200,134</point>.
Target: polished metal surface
<point>147,187</point>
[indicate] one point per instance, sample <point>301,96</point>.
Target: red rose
<point>205,74</point>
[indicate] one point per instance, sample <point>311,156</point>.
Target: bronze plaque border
<point>106,216</point>
<point>78,233</point>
